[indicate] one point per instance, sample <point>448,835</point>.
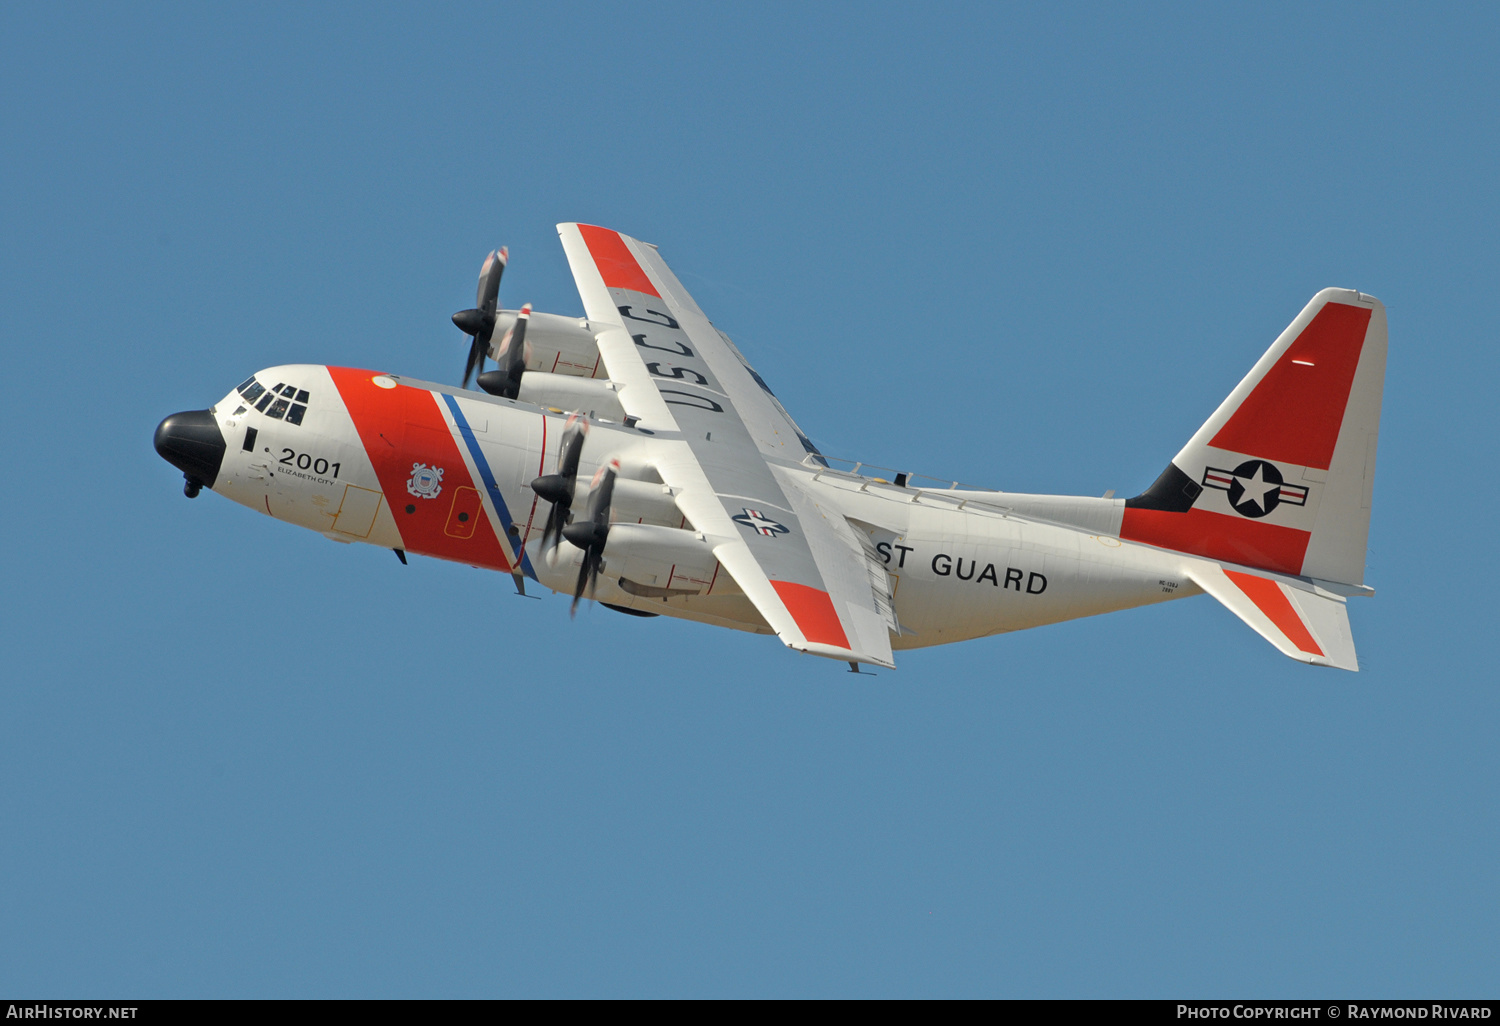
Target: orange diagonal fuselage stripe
<point>402,426</point>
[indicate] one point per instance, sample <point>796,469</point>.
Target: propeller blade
<point>586,574</point>
<point>476,356</point>
<point>514,354</point>
<point>574,431</point>
<point>511,355</point>
<point>557,519</point>
<point>480,322</point>
<point>558,488</point>
<point>489,280</point>
<point>601,493</point>
<point>591,538</point>
<point>593,534</point>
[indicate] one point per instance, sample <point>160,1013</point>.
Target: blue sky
<point>1029,248</point>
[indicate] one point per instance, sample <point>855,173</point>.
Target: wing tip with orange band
<point>617,266</point>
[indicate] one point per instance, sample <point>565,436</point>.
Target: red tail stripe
<point>1294,414</point>
<point>813,610</point>
<point>1218,536</point>
<point>1271,600</point>
<point>617,265</point>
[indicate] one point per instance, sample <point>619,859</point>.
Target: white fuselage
<point>436,471</point>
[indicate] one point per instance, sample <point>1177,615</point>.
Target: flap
<point>865,612</point>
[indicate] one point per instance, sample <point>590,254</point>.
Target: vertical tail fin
<point>1280,477</point>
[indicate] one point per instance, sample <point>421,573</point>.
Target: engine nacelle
<point>659,562</point>
<point>558,344</point>
<point>632,502</point>
<point>642,500</point>
<point>570,392</point>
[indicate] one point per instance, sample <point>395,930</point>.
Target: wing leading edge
<point>800,565</point>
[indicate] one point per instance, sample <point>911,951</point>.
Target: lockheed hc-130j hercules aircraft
<point>679,485</point>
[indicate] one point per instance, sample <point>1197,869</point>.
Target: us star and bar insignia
<point>754,519</point>
<point>1255,488</point>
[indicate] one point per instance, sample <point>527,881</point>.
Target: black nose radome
<point>192,443</point>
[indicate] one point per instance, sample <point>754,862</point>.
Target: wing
<point>716,422</point>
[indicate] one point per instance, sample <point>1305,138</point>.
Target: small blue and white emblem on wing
<point>425,482</point>
<point>756,521</point>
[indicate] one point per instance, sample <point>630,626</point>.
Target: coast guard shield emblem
<point>426,482</point>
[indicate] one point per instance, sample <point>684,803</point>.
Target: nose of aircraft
<point>193,444</point>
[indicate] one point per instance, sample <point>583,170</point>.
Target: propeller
<point>558,488</point>
<point>506,380</point>
<point>480,322</point>
<point>592,534</point>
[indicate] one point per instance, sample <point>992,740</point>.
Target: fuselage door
<point>356,514</point>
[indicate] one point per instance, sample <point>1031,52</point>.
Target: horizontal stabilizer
<point>1304,621</point>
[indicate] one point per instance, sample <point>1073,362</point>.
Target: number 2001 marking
<point>302,461</point>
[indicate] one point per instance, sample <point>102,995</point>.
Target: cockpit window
<point>280,401</point>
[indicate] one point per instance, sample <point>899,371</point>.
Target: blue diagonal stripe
<point>488,477</point>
